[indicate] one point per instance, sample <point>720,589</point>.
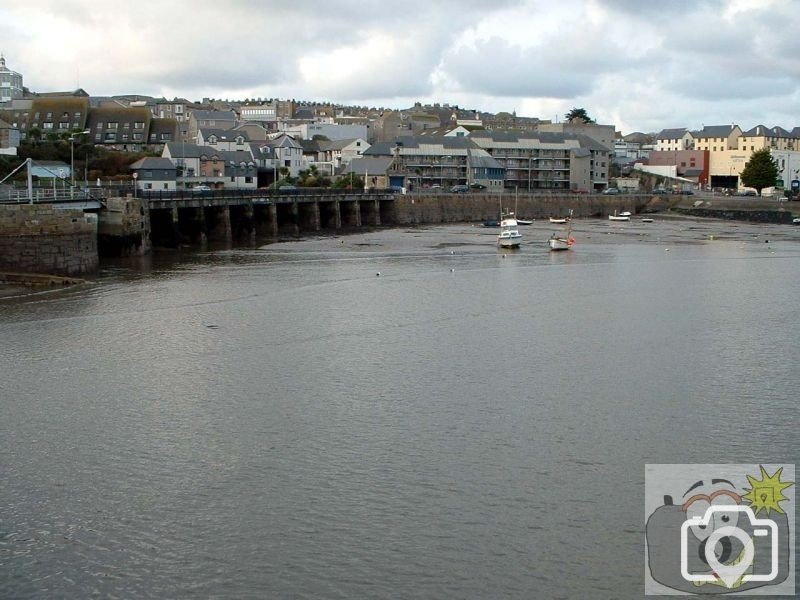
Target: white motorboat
<point>558,220</point>
<point>647,220</point>
<point>521,222</point>
<point>625,213</point>
<point>622,217</point>
<point>558,242</point>
<point>509,237</point>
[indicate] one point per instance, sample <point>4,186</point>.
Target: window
<point>248,179</point>
<point>111,137</point>
<point>98,137</point>
<point>112,125</point>
<point>47,125</point>
<point>99,126</point>
<point>63,125</point>
<point>137,137</point>
<point>65,115</point>
<point>124,137</point>
<point>164,136</point>
<point>49,115</point>
<point>166,186</point>
<point>138,125</point>
<point>126,125</point>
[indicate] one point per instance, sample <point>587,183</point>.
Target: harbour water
<point>283,422</point>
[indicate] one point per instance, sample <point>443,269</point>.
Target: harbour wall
<point>37,238</point>
<point>455,208</point>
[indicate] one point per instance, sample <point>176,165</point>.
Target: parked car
<point>612,191</point>
<point>477,186</point>
<point>459,189</point>
<point>286,188</point>
<point>746,193</point>
<point>659,191</point>
<point>201,189</point>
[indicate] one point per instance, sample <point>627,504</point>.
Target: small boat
<point>795,221</point>
<point>521,222</point>
<point>558,242</point>
<point>625,213</point>
<point>616,217</point>
<point>491,223</point>
<point>647,220</point>
<point>509,237</point>
<point>558,220</point>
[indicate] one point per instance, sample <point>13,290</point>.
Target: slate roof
<point>236,156</point>
<point>210,115</point>
<point>181,150</point>
<point>714,131</point>
<point>151,162</point>
<point>364,166</point>
<point>224,135</point>
<point>671,134</point>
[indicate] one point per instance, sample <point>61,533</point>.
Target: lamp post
<point>72,159</point>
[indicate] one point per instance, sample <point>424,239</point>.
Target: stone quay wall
<point>38,238</point>
<point>124,228</point>
<point>418,209</point>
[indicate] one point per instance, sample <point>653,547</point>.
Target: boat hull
<point>510,241</point>
<point>557,244</point>
<point>618,218</point>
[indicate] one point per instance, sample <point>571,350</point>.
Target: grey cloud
<point>559,67</point>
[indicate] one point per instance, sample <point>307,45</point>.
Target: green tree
<point>578,114</point>
<point>761,170</point>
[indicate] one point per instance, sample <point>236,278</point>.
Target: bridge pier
<point>287,214</point>
<point>218,223</point>
<point>350,213</point>
<point>328,215</point>
<point>242,225</point>
<point>191,225</point>
<point>162,227</point>
<point>265,220</point>
<point>369,212</point>
<point>386,211</point>
<point>308,216</point>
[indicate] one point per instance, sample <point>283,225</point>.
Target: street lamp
<point>72,158</point>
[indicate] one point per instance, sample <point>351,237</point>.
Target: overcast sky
<point>640,65</point>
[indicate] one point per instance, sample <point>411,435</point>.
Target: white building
<point>10,83</point>
<point>332,131</point>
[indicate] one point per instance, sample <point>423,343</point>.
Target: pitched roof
<point>671,134</point>
<point>756,131</point>
<point>236,156</point>
<point>224,135</point>
<point>712,131</point>
<point>364,166</point>
<point>209,115</point>
<point>181,150</point>
<point>151,162</point>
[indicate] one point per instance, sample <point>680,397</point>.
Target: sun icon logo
<point>766,493</point>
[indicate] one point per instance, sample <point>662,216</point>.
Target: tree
<point>761,170</point>
<point>578,114</point>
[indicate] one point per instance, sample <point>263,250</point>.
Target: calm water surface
<point>281,422</point>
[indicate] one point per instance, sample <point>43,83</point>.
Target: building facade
<point>10,83</point>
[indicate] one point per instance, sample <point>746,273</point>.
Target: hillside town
<point>257,142</point>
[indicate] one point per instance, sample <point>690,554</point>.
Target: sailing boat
<point>563,242</point>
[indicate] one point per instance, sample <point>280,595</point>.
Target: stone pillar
<point>176,226</point>
<point>377,212</point>
<point>357,211</point>
<point>273,216</point>
<point>337,219</point>
<point>249,223</point>
<point>221,230</point>
<point>315,219</point>
<point>295,219</point>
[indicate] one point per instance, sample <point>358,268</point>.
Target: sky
<point>641,65</point>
